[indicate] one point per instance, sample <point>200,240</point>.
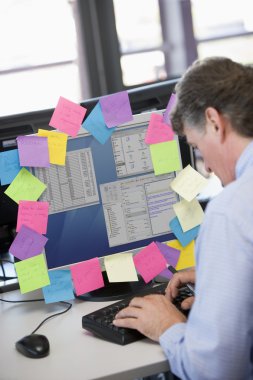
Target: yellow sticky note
<point>25,187</point>
<point>120,267</point>
<point>165,157</point>
<point>57,145</point>
<point>190,214</point>
<point>188,183</point>
<point>32,273</point>
<point>187,257</point>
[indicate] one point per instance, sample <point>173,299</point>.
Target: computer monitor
<point>147,97</point>
<point>107,200</point>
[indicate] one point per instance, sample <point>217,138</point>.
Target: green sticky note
<point>165,157</point>
<point>32,273</point>
<point>25,187</point>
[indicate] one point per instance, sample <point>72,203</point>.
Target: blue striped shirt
<point>217,340</point>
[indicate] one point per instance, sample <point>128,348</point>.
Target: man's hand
<point>178,280</point>
<point>151,315</point>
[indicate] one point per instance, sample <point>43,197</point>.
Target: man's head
<point>214,110</point>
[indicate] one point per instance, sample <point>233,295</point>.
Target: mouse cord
<point>69,305</point>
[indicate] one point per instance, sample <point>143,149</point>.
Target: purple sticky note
<point>87,276</point>
<point>149,262</point>
<point>67,117</point>
<point>27,243</point>
<point>33,151</point>
<point>166,273</point>
<point>170,254</point>
<point>170,105</point>
<point>116,109</point>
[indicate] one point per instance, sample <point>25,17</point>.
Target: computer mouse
<point>33,346</point>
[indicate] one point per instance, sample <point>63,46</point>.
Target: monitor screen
<point>107,199</point>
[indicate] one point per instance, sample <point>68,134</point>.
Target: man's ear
<point>215,122</point>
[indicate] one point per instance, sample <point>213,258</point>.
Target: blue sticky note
<point>184,237</point>
<point>95,124</point>
<point>9,166</point>
<point>60,288</point>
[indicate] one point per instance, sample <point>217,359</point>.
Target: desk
<point>74,353</point>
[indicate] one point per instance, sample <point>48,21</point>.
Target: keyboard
<point>100,321</point>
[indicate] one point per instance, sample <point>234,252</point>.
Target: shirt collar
<point>245,160</point>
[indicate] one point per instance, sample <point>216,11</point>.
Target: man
<point>214,111</point>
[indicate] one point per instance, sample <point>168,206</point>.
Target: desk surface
<point>74,352</point>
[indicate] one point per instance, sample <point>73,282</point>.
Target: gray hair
<point>216,82</point>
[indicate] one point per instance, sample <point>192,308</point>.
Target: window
<point>38,55</point>
<point>223,27</point>
<point>141,42</point>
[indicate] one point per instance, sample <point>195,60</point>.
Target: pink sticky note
<point>27,243</point>
<point>34,215</point>
<point>33,151</point>
<point>116,109</point>
<point>87,276</point>
<point>158,131</point>
<point>170,105</point>
<point>67,117</point>
<point>149,262</point>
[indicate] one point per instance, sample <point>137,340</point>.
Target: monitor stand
<point>114,290</point>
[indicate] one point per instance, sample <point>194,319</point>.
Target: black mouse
<point>33,346</point>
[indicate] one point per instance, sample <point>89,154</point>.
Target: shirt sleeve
<point>216,341</point>
<point>171,342</point>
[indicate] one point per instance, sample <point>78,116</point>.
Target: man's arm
<point>151,315</point>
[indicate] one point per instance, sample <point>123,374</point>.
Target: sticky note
<point>67,117</point>
<point>33,151</point>
<point>165,157</point>
<point>27,243</point>
<point>34,215</point>
<point>32,273</point>
<point>95,124</point>
<point>157,130</point>
<point>170,254</point>
<point>116,109</point>
<point>120,267</point>
<point>60,288</point>
<point>190,214</point>
<point>170,105</point>
<point>166,273</point>
<point>87,276</point>
<point>25,186</point>
<point>9,166</point>
<point>184,237</point>
<point>189,183</point>
<point>149,262</point>
<point>57,145</point>
<point>186,258</point>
